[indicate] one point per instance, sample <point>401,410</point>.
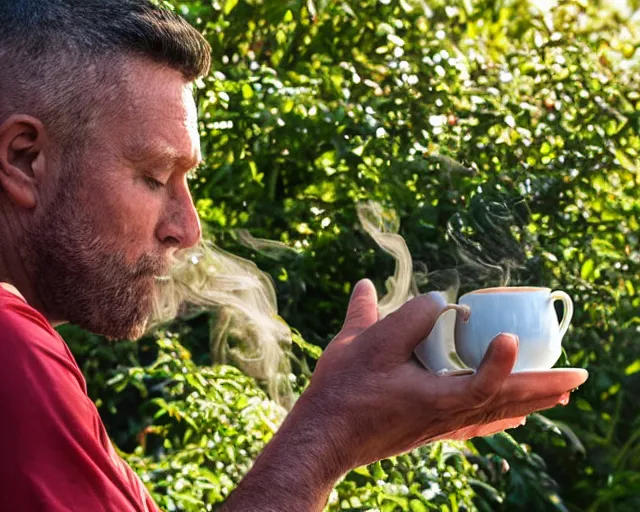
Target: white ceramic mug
<point>483,314</point>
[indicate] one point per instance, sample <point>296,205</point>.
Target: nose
<point>181,225</point>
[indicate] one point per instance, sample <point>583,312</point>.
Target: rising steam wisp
<point>248,331</point>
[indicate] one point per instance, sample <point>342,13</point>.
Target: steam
<point>270,248</point>
<point>383,226</point>
<point>487,249</point>
<point>488,244</point>
<point>248,331</point>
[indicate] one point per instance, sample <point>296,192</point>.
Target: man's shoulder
<point>21,326</point>
<point>28,340</point>
<point>16,316</point>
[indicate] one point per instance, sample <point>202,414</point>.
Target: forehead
<point>160,116</point>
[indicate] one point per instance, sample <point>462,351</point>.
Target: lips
<point>147,267</point>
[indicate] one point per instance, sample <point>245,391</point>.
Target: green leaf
<point>119,382</point>
<point>362,470</point>
<point>587,269</point>
<point>583,405</point>
<point>417,506</point>
<point>247,91</point>
<point>632,368</point>
<point>312,350</point>
<point>229,5</point>
<point>625,162</point>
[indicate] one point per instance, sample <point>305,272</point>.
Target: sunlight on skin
<point>12,289</point>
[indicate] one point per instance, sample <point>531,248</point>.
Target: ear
<point>22,159</point>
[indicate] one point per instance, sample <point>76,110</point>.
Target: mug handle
<point>436,341</point>
<point>463,310</point>
<point>568,310</point>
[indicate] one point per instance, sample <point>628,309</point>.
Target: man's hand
<point>369,399</point>
<point>384,403</point>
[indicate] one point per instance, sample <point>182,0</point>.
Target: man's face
<point>121,212</point>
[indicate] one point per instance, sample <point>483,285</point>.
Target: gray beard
<point>82,279</point>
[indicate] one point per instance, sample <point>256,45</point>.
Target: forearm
<point>295,473</point>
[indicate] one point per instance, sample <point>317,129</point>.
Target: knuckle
<point>425,305</point>
<point>419,305</point>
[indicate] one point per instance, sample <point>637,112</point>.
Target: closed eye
<point>153,183</point>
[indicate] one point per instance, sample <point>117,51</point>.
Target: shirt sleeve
<point>56,454</point>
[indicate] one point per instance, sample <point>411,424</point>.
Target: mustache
<point>154,266</point>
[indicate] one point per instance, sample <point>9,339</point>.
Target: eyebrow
<point>161,153</point>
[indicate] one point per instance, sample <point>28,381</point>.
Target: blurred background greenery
<point>506,137</point>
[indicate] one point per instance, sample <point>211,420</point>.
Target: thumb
<point>362,312</point>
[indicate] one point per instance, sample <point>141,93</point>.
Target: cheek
<point>126,218</point>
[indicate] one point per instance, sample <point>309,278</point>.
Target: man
<point>98,130</point>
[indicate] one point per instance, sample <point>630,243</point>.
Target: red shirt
<point>55,455</point>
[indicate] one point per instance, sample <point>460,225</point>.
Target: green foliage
<point>209,424</point>
<point>508,142</point>
<point>206,425</point>
<point>435,477</point>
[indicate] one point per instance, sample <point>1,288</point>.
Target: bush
<point>506,140</point>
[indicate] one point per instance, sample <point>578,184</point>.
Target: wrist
<point>299,467</point>
<point>319,430</point>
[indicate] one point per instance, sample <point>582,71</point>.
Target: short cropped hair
<point>62,60</point>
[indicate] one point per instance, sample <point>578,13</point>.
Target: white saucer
<point>551,371</point>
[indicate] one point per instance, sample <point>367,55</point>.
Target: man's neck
<point>13,272</point>
<point>15,275</point>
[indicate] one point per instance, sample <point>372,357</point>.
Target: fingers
<point>494,383</point>
<point>497,426</point>
<point>492,420</point>
<point>483,430</point>
<point>527,387</point>
<point>497,365</point>
<point>362,312</point>
<point>401,331</point>
<point>531,385</point>
<point>519,409</point>
<point>520,395</point>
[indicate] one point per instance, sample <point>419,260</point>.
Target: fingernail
<point>564,399</point>
<point>514,337</point>
<point>362,283</point>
